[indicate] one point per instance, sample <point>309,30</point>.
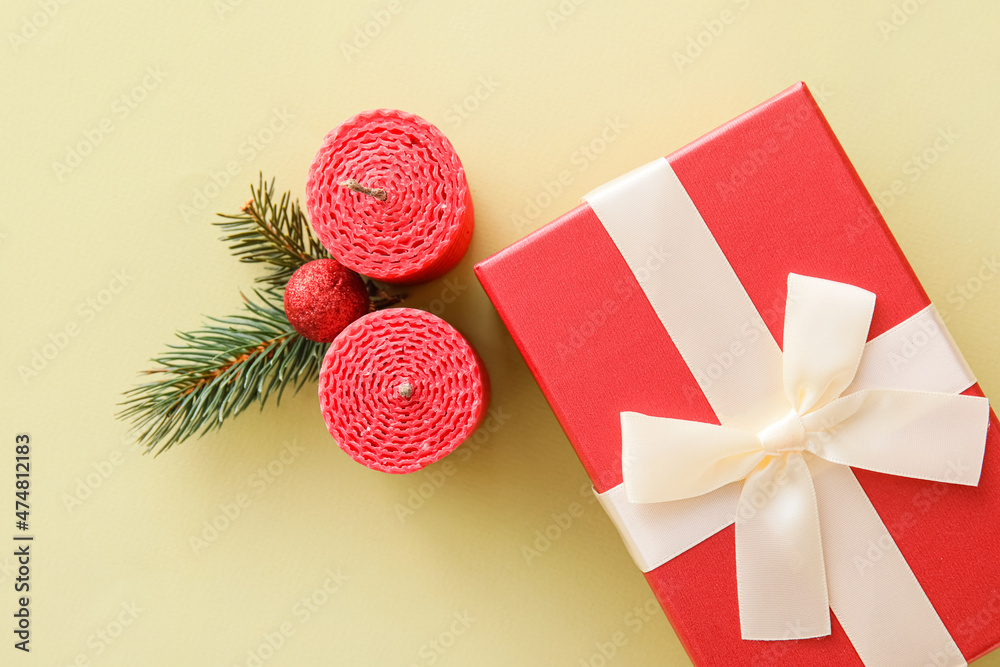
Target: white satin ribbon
<point>828,398</point>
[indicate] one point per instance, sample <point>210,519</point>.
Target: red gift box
<point>780,196</point>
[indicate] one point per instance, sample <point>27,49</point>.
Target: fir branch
<point>270,231</point>
<point>217,371</point>
<point>278,233</point>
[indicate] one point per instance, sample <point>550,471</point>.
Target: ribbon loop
<point>672,459</point>
<point>826,326</point>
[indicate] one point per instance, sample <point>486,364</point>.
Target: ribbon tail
<point>779,554</point>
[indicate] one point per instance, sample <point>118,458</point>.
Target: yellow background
<point>533,82</point>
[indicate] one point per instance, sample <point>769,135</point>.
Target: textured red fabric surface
<point>423,227</point>
<point>780,196</point>
<point>401,388</point>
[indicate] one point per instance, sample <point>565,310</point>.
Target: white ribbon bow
<point>779,551</point>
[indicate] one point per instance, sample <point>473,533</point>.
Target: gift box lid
<point>779,195</point>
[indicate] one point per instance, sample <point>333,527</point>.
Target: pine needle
<point>217,371</point>
<point>274,232</point>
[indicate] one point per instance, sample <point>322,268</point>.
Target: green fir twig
<point>217,371</point>
<point>273,232</point>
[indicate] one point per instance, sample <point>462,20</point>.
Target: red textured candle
<point>388,198</point>
<point>401,388</point>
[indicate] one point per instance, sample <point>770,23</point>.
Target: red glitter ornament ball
<point>322,297</point>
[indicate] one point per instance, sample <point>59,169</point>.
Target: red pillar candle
<point>388,198</point>
<point>401,388</point>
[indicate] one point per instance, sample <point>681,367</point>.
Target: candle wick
<point>405,390</point>
<point>378,193</point>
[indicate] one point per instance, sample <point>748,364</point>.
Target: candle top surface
<point>400,388</point>
<point>388,197</point>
